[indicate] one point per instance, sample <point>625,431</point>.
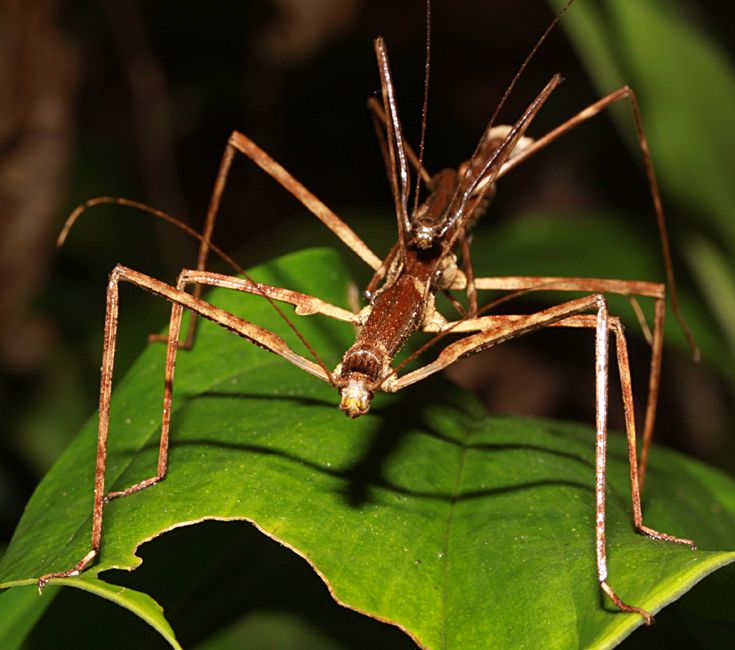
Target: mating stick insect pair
<point>432,236</point>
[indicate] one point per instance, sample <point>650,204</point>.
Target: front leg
<point>180,300</point>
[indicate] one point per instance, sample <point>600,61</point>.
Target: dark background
<point>138,99</point>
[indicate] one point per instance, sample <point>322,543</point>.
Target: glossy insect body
<point>423,261</point>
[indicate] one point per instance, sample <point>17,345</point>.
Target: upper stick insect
<point>432,236</point>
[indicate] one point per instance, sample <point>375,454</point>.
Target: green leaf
<point>20,609</point>
<point>463,530</point>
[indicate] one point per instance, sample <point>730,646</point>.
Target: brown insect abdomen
<point>396,314</point>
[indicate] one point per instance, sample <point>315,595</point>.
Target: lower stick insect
<point>433,236</point>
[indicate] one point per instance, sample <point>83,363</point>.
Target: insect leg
<point>243,144</point>
<point>469,273</point>
<point>635,482</point>
<point>627,393</point>
<point>496,329</point>
<point>180,299</point>
<point>246,146</point>
<point>633,289</point>
<point>591,111</point>
<point>305,304</point>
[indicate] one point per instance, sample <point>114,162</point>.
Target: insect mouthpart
<point>356,398</point>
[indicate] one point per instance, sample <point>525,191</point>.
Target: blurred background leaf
<point>683,79</point>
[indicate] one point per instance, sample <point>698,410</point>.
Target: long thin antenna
<point>527,60</point>
<point>160,214</point>
<point>424,108</point>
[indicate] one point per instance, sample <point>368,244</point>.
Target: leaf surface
<point>464,530</point>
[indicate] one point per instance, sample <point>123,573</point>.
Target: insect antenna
<point>116,200</point>
<point>424,108</point>
<point>524,65</point>
<point>491,167</point>
<point>499,107</point>
<point>160,214</point>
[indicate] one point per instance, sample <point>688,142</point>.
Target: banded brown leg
<point>238,142</point>
<point>181,300</point>
<point>629,288</point>
<point>491,330</point>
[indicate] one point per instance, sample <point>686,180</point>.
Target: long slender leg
<point>108,359</point>
<point>174,329</point>
<point>239,142</point>
<point>206,241</point>
<point>654,384</point>
<point>569,314</point>
<point>635,479</point>
<point>245,145</point>
<point>305,305</point>
<point>601,397</point>
<point>654,290</point>
<point>621,93</point>
<point>180,300</point>
<point>627,392</point>
<point>469,273</point>
<point>488,332</point>
<point>467,282</point>
<point>556,283</point>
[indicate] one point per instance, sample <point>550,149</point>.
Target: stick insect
<point>432,237</point>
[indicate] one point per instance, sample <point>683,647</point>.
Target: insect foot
<point>74,571</point>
